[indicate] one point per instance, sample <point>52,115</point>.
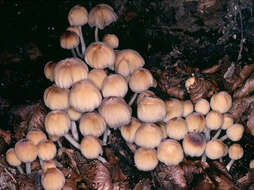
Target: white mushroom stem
<point>41,163</point>
<point>105,137</point>
<point>59,144</point>
<point>28,167</point>
<point>133,98</point>
<point>20,169</point>
<point>217,134</point>
<point>223,137</point>
<point>103,160</point>
<point>203,159</point>
<point>72,141</point>
<point>74,130</point>
<point>96,34</point>
<point>73,53</point>
<point>230,164</point>
<point>78,52</point>
<point>83,45</point>
<point>207,134</point>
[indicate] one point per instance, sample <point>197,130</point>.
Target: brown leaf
<point>6,136</point>
<point>176,92</point>
<point>246,89</point>
<point>250,122</point>
<point>211,69</point>
<point>143,184</point>
<point>26,183</point>
<point>248,179</point>
<point>36,118</point>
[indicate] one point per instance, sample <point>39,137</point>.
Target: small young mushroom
<point>202,106</point>
<point>187,108</point>
<point>53,179</point>
<point>74,116</point>
<point>97,76</point>
<point>77,31</point>
<point>214,121</point>
<point>48,164</point>
<point>234,133</point>
<point>49,70</point>
<point>145,159</point>
<point>235,152</point>
<point>36,136</point>
<point>227,122</point>
<point>90,147</point>
<point>195,122</point>
<point>128,131</point>
<point>174,109</point>
<point>221,102</point>
<point>13,160</point>
<point>112,40</point>
<point>177,128</point>
<point>170,152</point>
<point>69,40</point>
<point>46,151</point>
<point>215,149</point>
<point>146,93</point>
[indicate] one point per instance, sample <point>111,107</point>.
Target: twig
<point>10,175</point>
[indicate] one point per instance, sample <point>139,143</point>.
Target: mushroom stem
<point>41,163</point>
<point>73,53</point>
<point>133,99</point>
<point>28,168</point>
<point>74,130</point>
<point>78,52</point>
<point>223,137</point>
<point>20,169</point>
<point>105,137</point>
<point>83,45</point>
<point>217,134</point>
<point>103,160</point>
<point>207,134</point>
<point>72,141</point>
<point>96,34</point>
<point>203,159</point>
<point>59,144</point>
<point>230,164</point>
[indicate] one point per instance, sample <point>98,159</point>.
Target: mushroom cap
<point>54,137</point>
<point>90,147</point>
<point>69,71</point>
<point>56,98</point>
<point>140,80</point>
<point>73,114</point>
<point>221,102</point>
<point>127,61</point>
<point>78,16</point>
<point>195,122</point>
<point>128,131</point>
<point>151,109</point>
<point>99,55</point>
<point>112,40</point>
<point>12,158</point>
<point>145,159</point>
<point>46,150</point>
<point>163,129</point>
<point>114,85</point>
<point>215,149</point>
<point>101,16</point>
<point>36,136</point>
<point>115,111</point>
<point>48,164</point>
<point>187,108</point>
<point>69,40</point>
<point>252,163</point>
<point>235,132</point>
<point>189,82</point>
<point>194,144</point>
<point>148,135</point>
<point>84,96</point>
<point>214,120</point>
<point>73,29</point>
<point>92,124</point>
<point>146,93</point>
<point>97,76</point>
<point>53,179</point>
<point>235,151</point>
<point>57,123</point>
<point>177,128</point>
<point>170,152</point>
<point>202,106</point>
<point>227,121</point>
<point>25,150</point>
<point>49,70</point>
<point>174,109</point>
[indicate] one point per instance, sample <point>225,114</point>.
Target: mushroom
<point>26,152</point>
<point>214,121</point>
<point>170,152</point>
<point>163,129</point>
<point>252,163</point>
<point>90,147</point>
<point>97,76</point>
<point>13,160</point>
<point>151,109</point>
<point>101,16</point>
<point>195,122</point>
<point>36,136</point>
<point>227,122</point>
<point>84,96</point>
<point>146,93</point>
<point>187,108</point>
<point>174,109</point>
<point>52,179</point>
<point>56,98</point>
<point>221,102</point>
<point>112,40</point>
<point>145,159</point>
<point>69,40</point>
<point>74,116</point>
<point>215,149</point>
<point>77,31</point>
<point>46,151</point>
<point>48,164</point>
<point>202,106</point>
<point>69,71</point>
<point>49,70</point>
<point>114,85</point>
<point>128,131</point>
<point>235,152</point>
<point>234,133</point>
<point>78,16</point>
<point>177,128</point>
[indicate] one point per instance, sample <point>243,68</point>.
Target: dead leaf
<point>246,89</point>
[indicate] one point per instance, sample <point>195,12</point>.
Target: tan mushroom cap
<point>53,179</point>
<point>235,132</point>
<point>69,40</point>
<point>227,121</point>
<point>56,98</point>
<point>97,76</point>
<point>25,150</point>
<point>202,106</point>
<point>78,16</point>
<point>127,61</point>
<point>221,102</point>
<point>145,159</point>
<point>46,150</point>
<point>73,29</point>
<point>151,109</point>
<point>187,108</point>
<point>12,158</point>
<point>148,135</point>
<point>215,149</point>
<point>84,96</point>
<point>163,129</point>
<point>57,123</point>
<point>92,124</point>
<point>214,120</point>
<point>98,55</point>
<point>112,40</point>
<point>115,111</point>
<point>146,93</point>
<point>195,122</point>
<point>170,152</point>
<point>49,70</point>
<point>69,71</point>
<point>90,147</point>
<point>177,128</point>
<point>252,163</point>
<point>36,136</point>
<point>73,114</point>
<point>128,131</point>
<point>101,16</point>
<point>48,164</point>
<point>114,85</point>
<point>194,144</point>
<point>235,151</point>
<point>174,109</point>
